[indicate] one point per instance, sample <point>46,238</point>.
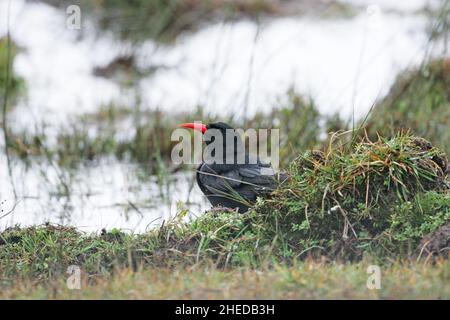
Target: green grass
<point>306,280</point>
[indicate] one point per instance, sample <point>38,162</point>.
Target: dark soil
<point>435,244</point>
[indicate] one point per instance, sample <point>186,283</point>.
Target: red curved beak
<point>196,126</point>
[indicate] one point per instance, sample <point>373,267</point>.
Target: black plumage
<point>235,185</point>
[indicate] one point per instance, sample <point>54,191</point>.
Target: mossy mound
<point>379,198</point>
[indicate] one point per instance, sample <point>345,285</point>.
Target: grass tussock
<point>374,199</point>
<point>379,198</point>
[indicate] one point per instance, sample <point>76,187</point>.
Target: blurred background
<point>87,112</point>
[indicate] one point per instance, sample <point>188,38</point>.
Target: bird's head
<point>222,126</point>
<point>210,132</point>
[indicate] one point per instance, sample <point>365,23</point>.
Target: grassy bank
<point>350,202</point>
<point>308,280</point>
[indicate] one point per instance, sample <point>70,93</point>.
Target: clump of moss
<point>378,198</point>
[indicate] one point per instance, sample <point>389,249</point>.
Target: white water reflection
<point>107,195</point>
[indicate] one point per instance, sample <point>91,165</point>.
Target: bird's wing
<point>214,181</point>
<point>261,177</point>
<point>249,178</point>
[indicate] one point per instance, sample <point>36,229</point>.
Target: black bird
<point>237,184</point>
